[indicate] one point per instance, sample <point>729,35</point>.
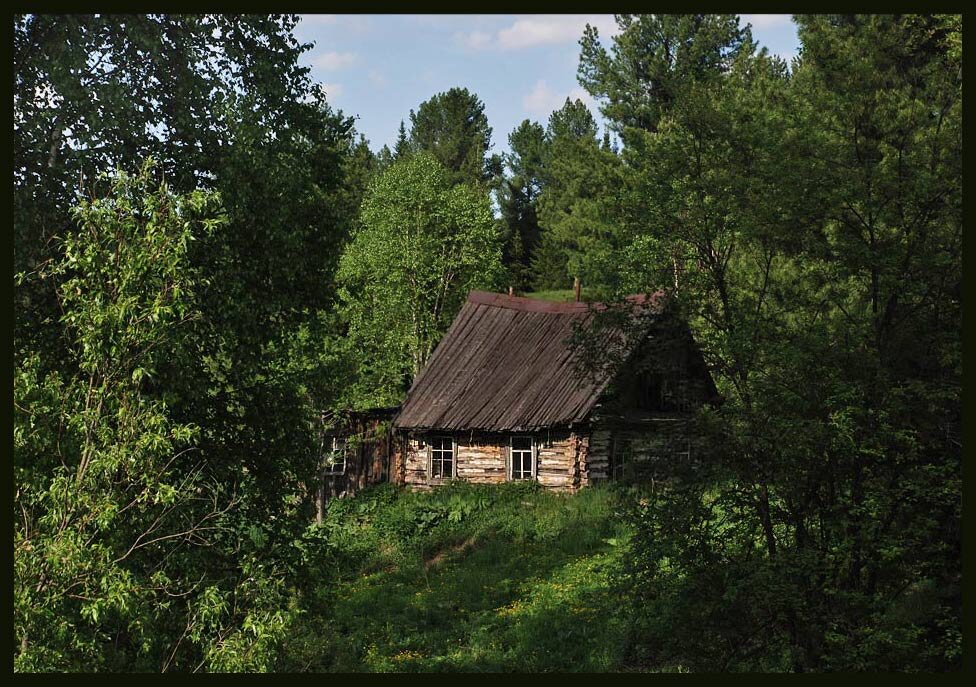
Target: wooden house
<point>355,450</point>
<point>508,395</point>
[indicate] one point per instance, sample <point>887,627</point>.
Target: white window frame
<point>338,443</point>
<point>430,458</point>
<point>533,449</point>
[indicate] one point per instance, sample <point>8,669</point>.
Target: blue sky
<point>379,67</point>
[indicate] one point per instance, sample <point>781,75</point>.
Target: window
<point>522,458</point>
<point>657,391</point>
<point>334,458</point>
<point>621,459</point>
<point>652,389</point>
<point>677,448</point>
<point>441,458</point>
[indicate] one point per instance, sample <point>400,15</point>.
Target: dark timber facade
<point>507,396</point>
<point>355,450</point>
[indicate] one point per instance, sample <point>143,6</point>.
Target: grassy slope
<point>561,295</point>
<point>469,578</point>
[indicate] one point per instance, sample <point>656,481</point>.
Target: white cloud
<point>448,21</point>
<point>539,99</point>
<point>766,21</point>
<point>527,33</point>
<point>333,90</point>
<point>377,78</point>
<point>536,30</point>
<point>475,40</point>
<point>542,100</point>
<point>332,61</point>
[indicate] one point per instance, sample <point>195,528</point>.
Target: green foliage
<point>808,225</point>
<point>424,243</point>
<point>575,205</point>
<point>517,197</point>
<point>468,578</point>
<point>220,337</point>
<point>91,584</point>
<point>254,368</point>
<point>222,103</point>
<point>654,57</point>
<point>558,205</point>
<point>101,92</point>
<point>403,146</point>
<point>453,129</point>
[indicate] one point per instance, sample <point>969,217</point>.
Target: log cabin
<point>522,389</point>
<point>355,449</point>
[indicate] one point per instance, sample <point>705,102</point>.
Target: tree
<point>798,220</point>
<point>452,127</point>
<point>574,206</point>
<point>572,122</point>
<point>518,198</point>
<point>108,486</point>
<point>358,168</point>
<point>402,146</point>
<point>887,93</point>
<point>653,59</point>
<point>222,103</point>
<point>94,92</point>
<point>226,106</point>
<point>424,243</point>
<point>384,158</point>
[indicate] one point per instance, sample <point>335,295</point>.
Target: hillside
<point>468,578</point>
<point>230,303</point>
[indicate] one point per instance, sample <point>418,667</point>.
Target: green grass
<point>558,295</point>
<point>468,578</point>
<point>566,295</point>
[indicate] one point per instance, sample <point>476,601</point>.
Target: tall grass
<point>468,578</point>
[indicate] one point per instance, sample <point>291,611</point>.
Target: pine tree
<point>402,147</point>
<point>453,128</point>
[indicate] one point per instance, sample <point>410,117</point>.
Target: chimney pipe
<point>576,288</point>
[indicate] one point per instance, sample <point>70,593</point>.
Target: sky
<point>379,67</point>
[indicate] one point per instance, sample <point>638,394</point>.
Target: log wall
<point>482,458</point>
<point>371,456</point>
<point>657,447</point>
<point>565,459</point>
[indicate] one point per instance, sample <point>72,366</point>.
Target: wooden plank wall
<point>483,458</point>
<point>558,460</point>
<point>596,463</point>
<point>656,446</point>
<point>414,469</point>
<point>566,460</point>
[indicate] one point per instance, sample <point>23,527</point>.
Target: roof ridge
<point>523,304</point>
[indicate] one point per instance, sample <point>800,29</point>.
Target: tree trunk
<point>767,521</point>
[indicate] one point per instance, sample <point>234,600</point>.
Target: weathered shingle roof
<point>505,364</point>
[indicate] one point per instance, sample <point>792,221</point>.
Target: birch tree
<point>422,246</point>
